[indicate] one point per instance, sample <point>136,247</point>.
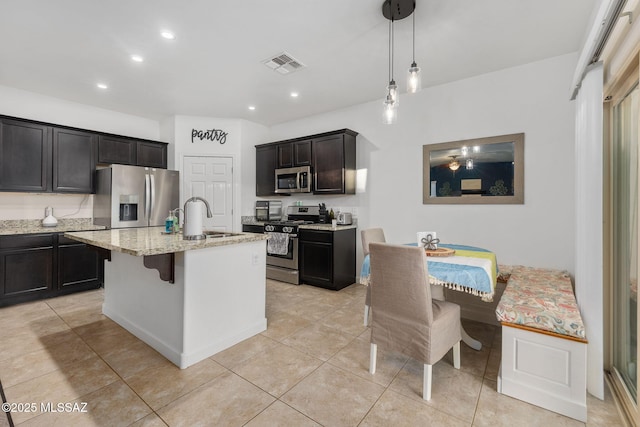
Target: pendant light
<point>414,80</point>
<point>390,111</point>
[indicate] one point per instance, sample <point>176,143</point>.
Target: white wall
<point>33,106</point>
<point>530,99</point>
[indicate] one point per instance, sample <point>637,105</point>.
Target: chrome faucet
<point>189,232</point>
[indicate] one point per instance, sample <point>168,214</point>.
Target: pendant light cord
<point>390,51</point>
<point>414,31</point>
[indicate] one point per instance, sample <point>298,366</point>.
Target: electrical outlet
<point>254,259</point>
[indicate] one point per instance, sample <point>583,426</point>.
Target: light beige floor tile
<point>281,415</point>
<point>333,397</point>
<point>162,384</point>
<point>603,413</point>
<point>355,291</point>
<point>310,308</point>
<point>480,331</point>
<point>81,316</point>
<point>472,361</point>
<point>493,364</point>
<point>63,385</point>
<point>452,391</point>
<point>243,351</point>
<point>131,358</point>
<point>277,369</point>
<point>17,316</point>
<point>105,336</point>
<point>151,420</point>
<point>348,321</point>
<point>36,363</point>
<point>228,400</point>
<point>355,359</point>
<point>45,324</point>
<point>113,405</point>
<point>496,410</point>
<point>394,409</point>
<point>75,301</point>
<point>281,324</point>
<point>319,341</point>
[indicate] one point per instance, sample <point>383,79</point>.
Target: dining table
<point>468,269</point>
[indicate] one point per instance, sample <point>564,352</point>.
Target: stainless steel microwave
<point>293,180</point>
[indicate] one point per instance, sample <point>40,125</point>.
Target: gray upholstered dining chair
<point>370,235</point>
<point>405,318</point>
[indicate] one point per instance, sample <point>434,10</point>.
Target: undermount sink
<point>217,234</point>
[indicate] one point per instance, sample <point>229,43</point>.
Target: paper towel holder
<point>191,231</point>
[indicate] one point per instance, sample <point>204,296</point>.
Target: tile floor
<point>309,368</point>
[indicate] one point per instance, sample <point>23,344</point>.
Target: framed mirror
<point>474,171</point>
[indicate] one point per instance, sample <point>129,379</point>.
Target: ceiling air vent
<point>283,63</point>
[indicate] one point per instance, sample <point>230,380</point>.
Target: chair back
<point>371,235</point>
<point>401,299</point>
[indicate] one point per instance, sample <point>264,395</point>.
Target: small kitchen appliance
<point>49,220</point>
<point>268,210</point>
<point>344,218</point>
<point>293,180</point>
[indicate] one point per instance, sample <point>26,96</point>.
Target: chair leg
<point>367,310</point>
<point>426,382</point>
<point>456,355</point>
<point>372,358</point>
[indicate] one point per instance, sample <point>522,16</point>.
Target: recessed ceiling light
<point>137,58</point>
<point>102,86</point>
<point>252,107</point>
<point>168,35</point>
<point>294,94</point>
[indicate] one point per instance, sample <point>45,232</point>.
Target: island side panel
<point>151,309</point>
<point>224,298</point>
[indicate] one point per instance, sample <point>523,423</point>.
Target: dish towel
<point>278,243</point>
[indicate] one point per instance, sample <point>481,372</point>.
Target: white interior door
<point>212,179</point>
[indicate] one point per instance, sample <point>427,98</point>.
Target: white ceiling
<point>213,68</point>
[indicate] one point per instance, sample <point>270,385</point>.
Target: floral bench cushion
<point>541,299</point>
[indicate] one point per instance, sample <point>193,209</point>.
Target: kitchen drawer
<point>316,236</point>
<point>251,228</point>
<point>26,241</point>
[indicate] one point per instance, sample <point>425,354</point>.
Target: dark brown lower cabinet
<point>328,258</point>
<point>35,266</point>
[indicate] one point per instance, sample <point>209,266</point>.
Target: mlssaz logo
<point>209,135</point>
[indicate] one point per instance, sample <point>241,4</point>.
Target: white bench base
<point>544,370</point>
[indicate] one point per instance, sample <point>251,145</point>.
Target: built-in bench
<point>544,345</point>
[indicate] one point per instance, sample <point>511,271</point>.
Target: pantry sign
<point>212,135</point>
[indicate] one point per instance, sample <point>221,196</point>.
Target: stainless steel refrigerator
<point>134,196</point>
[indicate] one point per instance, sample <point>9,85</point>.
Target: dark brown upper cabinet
<point>127,151</point>
<point>113,149</point>
<point>25,156</point>
<point>151,154</point>
<point>266,163</point>
<point>334,164</point>
<point>294,154</point>
<point>74,161</point>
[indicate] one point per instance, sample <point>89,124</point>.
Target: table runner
<point>472,270</point>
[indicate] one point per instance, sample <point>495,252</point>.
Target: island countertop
<point>152,241</point>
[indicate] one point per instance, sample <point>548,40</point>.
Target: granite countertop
<point>152,241</point>
<point>34,226</point>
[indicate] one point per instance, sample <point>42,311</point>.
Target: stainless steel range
<point>282,246</point>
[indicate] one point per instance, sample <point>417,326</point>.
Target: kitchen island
<point>188,299</point>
